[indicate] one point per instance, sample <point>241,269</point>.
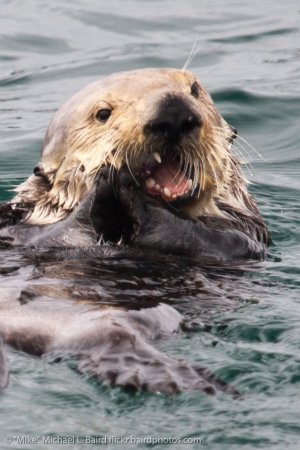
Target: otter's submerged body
<point>133,165</point>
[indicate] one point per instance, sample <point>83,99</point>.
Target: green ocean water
<point>248,58</point>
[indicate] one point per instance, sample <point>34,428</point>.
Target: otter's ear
<point>39,171</point>
<point>233,134</point>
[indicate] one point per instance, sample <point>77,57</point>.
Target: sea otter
<point>137,162</point>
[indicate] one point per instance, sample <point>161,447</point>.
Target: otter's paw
<point>143,368</point>
<point>148,215</point>
<point>109,219</point>
<point>161,374</point>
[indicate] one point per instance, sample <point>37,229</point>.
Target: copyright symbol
<point>8,439</point>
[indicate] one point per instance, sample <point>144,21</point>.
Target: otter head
<point>161,123</point>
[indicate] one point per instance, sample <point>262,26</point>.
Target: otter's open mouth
<point>163,176</point>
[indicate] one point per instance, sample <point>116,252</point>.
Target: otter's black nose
<point>174,120</point>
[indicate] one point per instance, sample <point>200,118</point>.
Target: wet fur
<point>76,146</point>
<point>86,191</point>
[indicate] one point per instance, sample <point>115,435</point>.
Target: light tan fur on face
<point>76,145</point>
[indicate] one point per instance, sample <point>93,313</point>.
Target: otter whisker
<point>246,142</point>
<point>224,142</point>
<point>237,154</point>
<point>190,157</point>
<point>240,155</point>
<point>180,171</point>
<point>203,169</point>
<point>129,168</point>
<point>246,165</point>
<point>196,177</point>
<point>187,169</point>
<point>203,173</point>
<point>239,151</point>
<point>213,171</point>
<point>189,173</point>
<point>216,157</point>
<point>191,56</point>
<point>258,154</point>
<point>181,168</point>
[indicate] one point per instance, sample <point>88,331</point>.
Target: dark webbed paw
<point>110,219</point>
<point>156,224</point>
<point>139,366</point>
<point>158,375</point>
<point>150,218</point>
<point>117,349</point>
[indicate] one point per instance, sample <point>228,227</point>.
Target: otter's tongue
<point>164,178</point>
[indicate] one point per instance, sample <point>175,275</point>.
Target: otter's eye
<point>103,114</point>
<point>195,90</point>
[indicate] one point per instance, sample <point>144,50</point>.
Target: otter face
<point>160,123</point>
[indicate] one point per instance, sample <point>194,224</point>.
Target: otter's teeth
<point>157,157</point>
<point>167,192</point>
<point>150,183</point>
